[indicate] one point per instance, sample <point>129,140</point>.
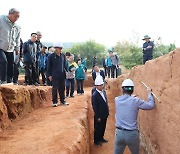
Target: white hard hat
<point>127,83</point>
<point>58,45</point>
<point>99,81</point>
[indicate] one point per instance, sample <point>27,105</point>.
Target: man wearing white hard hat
<point>127,108</point>
<point>101,111</point>
<point>56,71</point>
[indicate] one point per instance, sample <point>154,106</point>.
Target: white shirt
<point>97,74</point>
<point>102,94</point>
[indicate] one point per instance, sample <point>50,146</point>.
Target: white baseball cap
<point>58,45</point>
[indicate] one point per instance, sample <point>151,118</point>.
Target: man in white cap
<point>9,42</point>
<point>127,108</point>
<point>56,72</point>
<point>101,111</point>
<point>147,49</point>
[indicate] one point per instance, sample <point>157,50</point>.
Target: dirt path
<point>45,130</point>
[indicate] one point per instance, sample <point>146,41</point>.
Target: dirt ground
<point>41,130</point>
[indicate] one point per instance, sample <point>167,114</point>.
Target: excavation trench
<point>29,124</point>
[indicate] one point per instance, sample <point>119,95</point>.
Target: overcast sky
<point>105,21</point>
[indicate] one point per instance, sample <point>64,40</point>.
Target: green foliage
<point>161,49</point>
<point>88,50</point>
<point>129,53</point>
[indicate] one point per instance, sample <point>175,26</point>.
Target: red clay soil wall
<point>18,101</point>
<point>159,128</point>
<point>15,101</point>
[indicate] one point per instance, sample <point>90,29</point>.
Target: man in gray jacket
<point>115,63</point>
<point>9,41</point>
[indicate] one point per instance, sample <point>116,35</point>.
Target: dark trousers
<point>99,129</point>
<point>80,86</point>
<point>105,71</point>
<point>58,86</point>
<point>49,83</point>
<point>6,66</point>
<point>37,72</point>
<point>109,69</point>
<point>146,58</point>
<point>69,83</point>
<point>16,73</point>
<point>42,72</point>
<point>30,73</point>
<point>114,71</point>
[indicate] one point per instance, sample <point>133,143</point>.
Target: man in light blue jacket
<point>127,108</point>
<point>9,42</point>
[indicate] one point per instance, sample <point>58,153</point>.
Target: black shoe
<point>15,83</point>
<point>104,140</point>
<point>72,96</point>
<point>98,143</point>
<point>36,84</point>
<point>3,82</point>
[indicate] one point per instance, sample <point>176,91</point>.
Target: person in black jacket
<point>56,73</point>
<point>97,72</point>
<point>101,111</point>
<point>104,65</point>
<point>29,59</point>
<point>39,47</point>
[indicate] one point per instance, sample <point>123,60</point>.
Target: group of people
<point>60,71</point>
<point>111,65</point>
<point>127,108</point>
<point>57,69</point>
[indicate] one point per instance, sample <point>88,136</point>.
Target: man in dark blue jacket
<point>101,111</point>
<point>29,59</point>
<point>56,73</point>
<point>147,49</point>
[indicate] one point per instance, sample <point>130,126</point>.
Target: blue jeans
<point>69,83</point>
<point>129,138</point>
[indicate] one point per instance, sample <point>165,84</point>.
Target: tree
<point>88,50</point>
<point>130,54</point>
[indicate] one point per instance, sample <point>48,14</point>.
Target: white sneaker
<point>64,103</point>
<point>55,105</point>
